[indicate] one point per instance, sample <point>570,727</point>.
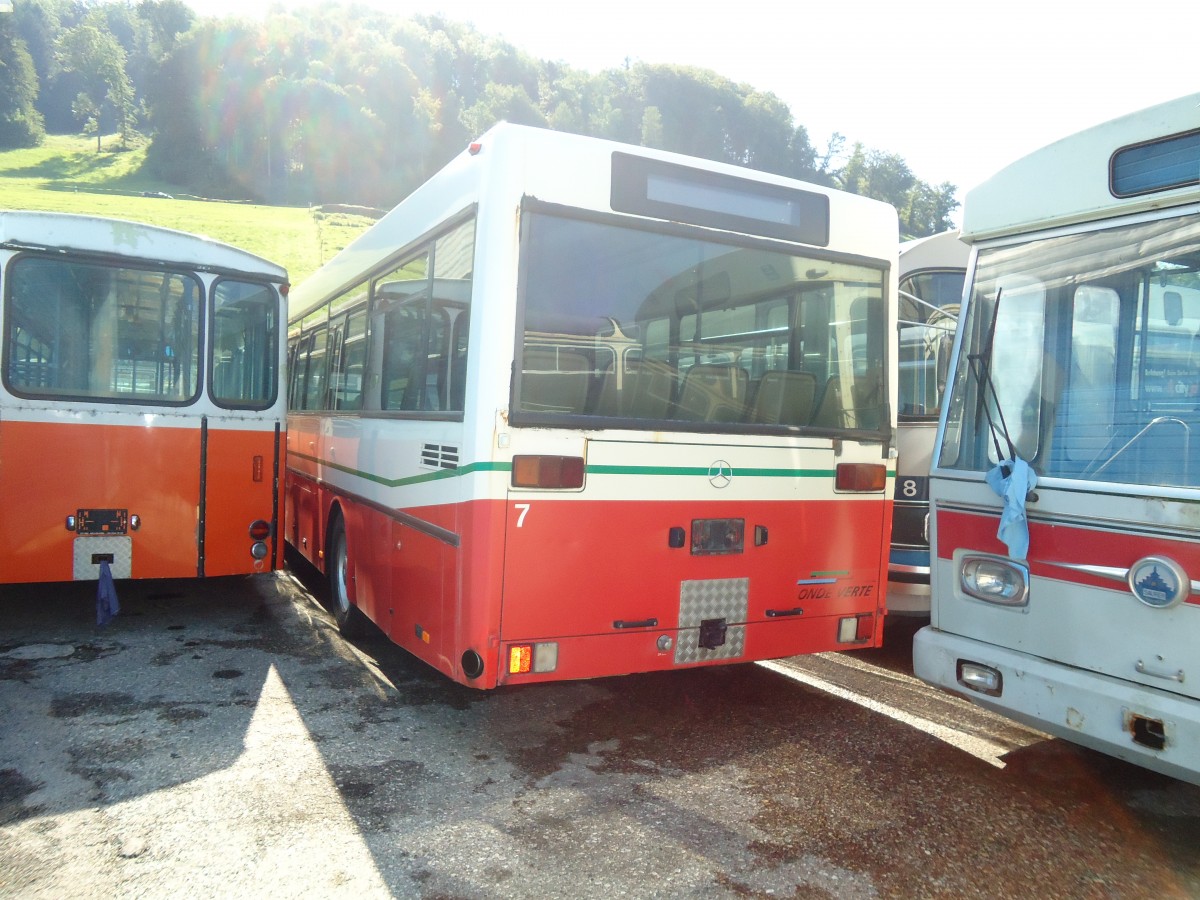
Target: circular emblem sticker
<point>1159,582</point>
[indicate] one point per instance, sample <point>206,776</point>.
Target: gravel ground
<point>220,739</point>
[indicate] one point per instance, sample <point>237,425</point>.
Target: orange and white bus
<point>141,412</point>
<point>576,409</point>
<point>1066,483</point>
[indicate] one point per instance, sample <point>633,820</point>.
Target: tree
<point>928,210</point>
<point>344,103</point>
<point>501,102</point>
<point>652,127</point>
<point>21,125</point>
<point>100,60</point>
<point>167,20</point>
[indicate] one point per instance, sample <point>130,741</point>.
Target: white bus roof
<point>1068,181</point>
<point>545,164</point>
<point>26,230</point>
<point>938,251</point>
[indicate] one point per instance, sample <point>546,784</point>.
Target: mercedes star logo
<point>720,474</point>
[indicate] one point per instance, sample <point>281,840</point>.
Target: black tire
<point>350,619</point>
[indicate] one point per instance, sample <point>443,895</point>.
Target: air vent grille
<point>439,456</point>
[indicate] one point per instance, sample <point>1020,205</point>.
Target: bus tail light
<point>561,472</point>
<point>855,629</point>
<point>536,658</point>
<point>980,678</point>
<point>994,580</point>
<point>861,477</point>
<point>260,530</point>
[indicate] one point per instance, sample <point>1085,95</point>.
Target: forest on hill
<point>345,104</point>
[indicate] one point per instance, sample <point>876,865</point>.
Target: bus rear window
<point>101,332</point>
<point>629,324</point>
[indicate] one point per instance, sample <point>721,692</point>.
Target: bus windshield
<point>666,327</point>
<point>1100,338</point>
<point>927,316</point>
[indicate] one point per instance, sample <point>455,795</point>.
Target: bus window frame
<point>273,351</point>
<point>110,262</point>
<point>522,417</point>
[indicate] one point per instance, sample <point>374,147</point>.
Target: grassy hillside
<point>66,174</point>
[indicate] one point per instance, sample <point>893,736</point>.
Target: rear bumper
<point>1097,711</point>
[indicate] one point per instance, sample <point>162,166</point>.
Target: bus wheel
<point>350,619</point>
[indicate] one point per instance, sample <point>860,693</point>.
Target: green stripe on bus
<point>704,470</point>
<point>412,479</point>
<point>690,471</point>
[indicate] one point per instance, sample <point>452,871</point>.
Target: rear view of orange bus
<point>141,419</point>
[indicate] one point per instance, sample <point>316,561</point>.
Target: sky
<point>957,89</point>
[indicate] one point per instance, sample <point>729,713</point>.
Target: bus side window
<point>403,361</point>
<point>313,391</point>
<point>348,379</point>
<point>460,333</point>
<point>297,365</point>
<point>453,264</point>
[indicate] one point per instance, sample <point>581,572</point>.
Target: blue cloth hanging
<point>106,596</point>
<point>1013,480</point>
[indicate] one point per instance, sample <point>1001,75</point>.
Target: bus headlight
<point>994,580</point>
<point>980,678</point>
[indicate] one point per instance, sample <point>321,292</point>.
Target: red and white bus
<point>576,408</point>
<point>1073,604</point>
<point>141,414</point>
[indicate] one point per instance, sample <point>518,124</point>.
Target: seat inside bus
<point>784,398</point>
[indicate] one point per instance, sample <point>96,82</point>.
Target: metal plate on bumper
<point>724,599</point>
<point>89,551</point>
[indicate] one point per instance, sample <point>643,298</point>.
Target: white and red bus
<point>576,408</point>
<point>932,271</point>
<point>141,410</point>
<point>1074,604</point>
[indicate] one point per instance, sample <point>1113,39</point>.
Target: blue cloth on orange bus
<point>106,596</point>
<point>1013,480</point>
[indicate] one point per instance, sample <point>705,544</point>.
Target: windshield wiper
<point>981,369</point>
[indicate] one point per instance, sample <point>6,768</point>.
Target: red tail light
<point>547,472</point>
<point>861,477</point>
